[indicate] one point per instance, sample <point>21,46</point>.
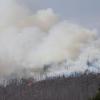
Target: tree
<point>97,97</point>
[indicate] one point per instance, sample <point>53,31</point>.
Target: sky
<point>85,12</point>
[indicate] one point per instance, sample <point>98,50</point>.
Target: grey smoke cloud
<point>30,41</point>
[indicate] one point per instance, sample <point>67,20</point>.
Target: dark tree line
<point>75,87</point>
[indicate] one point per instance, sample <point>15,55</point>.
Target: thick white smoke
<point>30,41</point>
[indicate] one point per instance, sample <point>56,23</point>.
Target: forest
<point>75,87</point>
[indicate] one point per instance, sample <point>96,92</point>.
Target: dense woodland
<point>75,87</point>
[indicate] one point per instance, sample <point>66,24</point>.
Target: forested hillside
<point>75,87</point>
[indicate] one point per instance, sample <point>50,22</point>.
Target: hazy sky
<point>85,12</point>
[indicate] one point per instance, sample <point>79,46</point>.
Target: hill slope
<point>80,87</point>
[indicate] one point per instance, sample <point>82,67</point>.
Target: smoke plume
<point>32,40</point>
